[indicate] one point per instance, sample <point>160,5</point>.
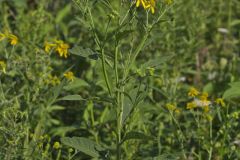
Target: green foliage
<point>122,92</point>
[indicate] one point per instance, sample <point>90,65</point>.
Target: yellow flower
<point>193,92</point>
<point>69,75</point>
<point>62,48</point>
<point>48,47</point>
<point>170,107</point>
<point>13,39</point>
<point>191,105</point>
<point>56,145</point>
<point>141,2</point>
<point>220,101</point>
<point>147,4</point>
<point>152,5</point>
<point>3,66</point>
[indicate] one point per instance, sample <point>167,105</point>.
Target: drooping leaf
<point>84,145</point>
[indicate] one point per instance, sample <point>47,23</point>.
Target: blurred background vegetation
<point>201,40</point>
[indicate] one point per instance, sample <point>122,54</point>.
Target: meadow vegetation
<point>119,79</point>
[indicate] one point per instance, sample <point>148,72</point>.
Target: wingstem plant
<point>117,92</point>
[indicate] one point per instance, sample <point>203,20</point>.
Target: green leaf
<point>76,85</point>
<point>137,135</point>
<point>55,108</point>
<point>62,131</point>
<point>63,13</point>
<point>84,145</point>
<point>108,115</point>
<point>127,108</point>
<point>86,53</point>
<point>72,98</point>
<point>208,88</point>
<point>233,91</point>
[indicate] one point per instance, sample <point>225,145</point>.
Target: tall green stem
<point>119,126</point>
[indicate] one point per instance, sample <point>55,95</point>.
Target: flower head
<point>69,75</point>
<point>193,92</point>
<point>48,46</point>
<point>62,48</point>
<point>13,39</point>
<point>147,4</point>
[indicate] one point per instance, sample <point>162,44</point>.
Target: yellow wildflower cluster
<point>147,4</point>
<point>201,100</point>
<point>11,37</point>
<point>59,46</point>
<point>69,75</point>
<point>3,66</point>
<point>193,92</point>
<point>53,80</point>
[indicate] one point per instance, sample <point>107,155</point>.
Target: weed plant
<point>118,79</point>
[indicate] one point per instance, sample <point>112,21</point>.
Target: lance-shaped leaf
<point>84,145</point>
<point>136,135</point>
<point>86,53</point>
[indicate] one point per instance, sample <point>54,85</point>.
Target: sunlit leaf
<point>84,145</point>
